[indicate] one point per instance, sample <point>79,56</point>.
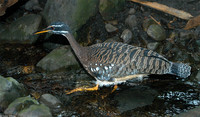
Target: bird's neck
<point>78,49</point>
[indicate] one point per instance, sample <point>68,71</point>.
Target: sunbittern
<point>113,63</point>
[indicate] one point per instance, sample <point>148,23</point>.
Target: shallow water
<point>151,98</point>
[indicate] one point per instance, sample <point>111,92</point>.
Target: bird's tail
<point>181,70</point>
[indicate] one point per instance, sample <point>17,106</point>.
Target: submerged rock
<point>156,32</point>
<point>19,104</point>
<point>73,12</point>
<point>108,8</point>
<point>10,89</point>
<point>38,110</point>
<point>191,113</point>
<point>59,58</point>
<point>21,30</point>
<point>127,36</point>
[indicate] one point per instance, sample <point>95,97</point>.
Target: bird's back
<point>116,60</point>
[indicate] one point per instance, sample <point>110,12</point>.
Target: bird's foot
<point>82,89</point>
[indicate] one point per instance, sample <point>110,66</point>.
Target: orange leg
<point>83,89</point>
<point>115,87</point>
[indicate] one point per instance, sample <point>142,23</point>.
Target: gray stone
<point>131,21</point>
<point>19,104</point>
<point>131,11</point>
<point>59,58</point>
<point>50,101</point>
<point>21,30</point>
<point>153,45</point>
<point>10,89</point>
<point>35,111</point>
<point>127,36</point>
<point>156,32</point>
<point>108,8</point>
<point>110,28</point>
<point>133,98</point>
<point>73,12</point>
<point>33,5</point>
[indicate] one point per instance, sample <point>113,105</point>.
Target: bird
<point>114,63</point>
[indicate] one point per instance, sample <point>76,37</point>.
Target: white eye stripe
<point>57,25</point>
<point>61,31</point>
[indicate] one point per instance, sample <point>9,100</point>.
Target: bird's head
<point>56,28</point>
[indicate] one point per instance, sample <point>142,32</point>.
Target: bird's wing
<point>114,60</point>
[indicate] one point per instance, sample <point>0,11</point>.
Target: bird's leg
<point>115,87</point>
<point>83,89</point>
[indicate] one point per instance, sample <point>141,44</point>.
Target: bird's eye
<point>51,27</point>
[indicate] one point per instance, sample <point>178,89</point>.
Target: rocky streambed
<point>37,70</point>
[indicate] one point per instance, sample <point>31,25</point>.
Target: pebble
<point>131,11</point>
<point>131,21</point>
<point>156,32</point>
<point>153,45</point>
<point>126,36</point>
<point>110,28</point>
<point>50,101</point>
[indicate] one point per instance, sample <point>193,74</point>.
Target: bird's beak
<point>43,31</point>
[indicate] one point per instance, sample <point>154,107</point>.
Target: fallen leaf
<point>193,23</point>
<point>178,13</point>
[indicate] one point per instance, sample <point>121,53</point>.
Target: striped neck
<point>78,49</point>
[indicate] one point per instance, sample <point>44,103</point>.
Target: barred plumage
<point>113,61</point>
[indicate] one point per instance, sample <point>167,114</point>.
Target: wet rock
<point>33,5</point>
<point>133,98</point>
<point>153,45</point>
<point>39,110</point>
<point>191,113</point>
<point>156,32</point>
<point>21,30</point>
<point>50,101</point>
<point>19,104</point>
<point>127,36</point>
<point>198,76</point>
<point>110,28</point>
<point>108,8</point>
<point>147,22</point>
<point>73,12</point>
<point>10,89</point>
<point>131,11</point>
<point>131,21</point>
<point>59,58</point>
